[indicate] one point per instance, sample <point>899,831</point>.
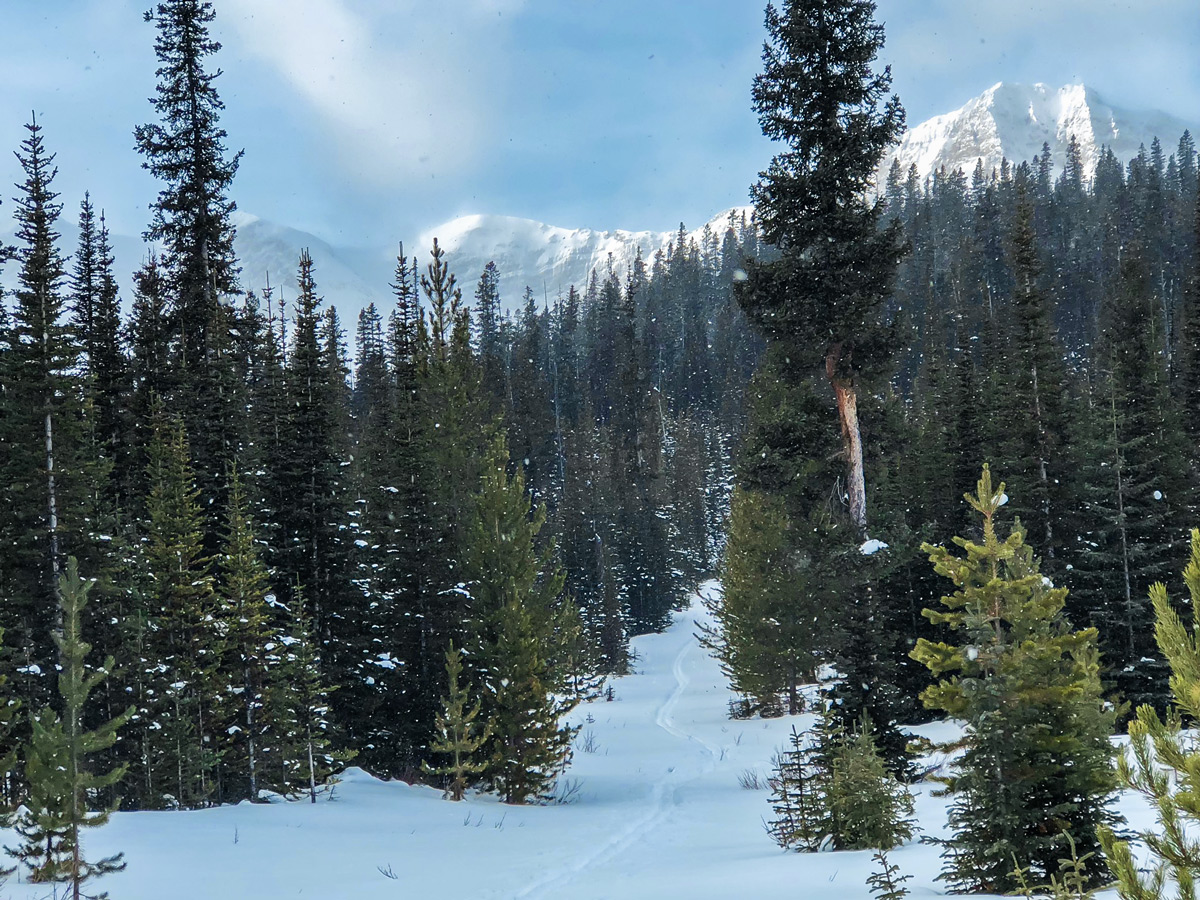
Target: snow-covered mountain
<point>1007,120</point>
<point>1015,120</point>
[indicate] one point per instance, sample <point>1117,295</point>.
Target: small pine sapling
<point>798,800</point>
<point>1072,882</point>
<point>886,882</point>
<point>868,806</point>
<point>458,738</point>
<point>1038,760</point>
<point>307,706</point>
<point>59,783</point>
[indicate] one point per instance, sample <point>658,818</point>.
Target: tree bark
<point>847,404</point>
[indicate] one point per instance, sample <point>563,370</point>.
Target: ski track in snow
<point>663,797</point>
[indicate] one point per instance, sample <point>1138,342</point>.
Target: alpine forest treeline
<point>415,546</point>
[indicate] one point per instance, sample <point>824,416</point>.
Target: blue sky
<point>367,121</point>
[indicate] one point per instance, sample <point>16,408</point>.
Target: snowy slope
<point>658,814</point>
<point>1014,120</point>
<point>548,259</point>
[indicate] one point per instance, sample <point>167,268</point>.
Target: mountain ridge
<point>1007,121</point>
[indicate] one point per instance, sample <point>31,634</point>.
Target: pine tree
<point>458,737</point>
<point>59,781</point>
<point>248,678</point>
<point>1135,488</point>
<point>184,643</point>
<point>45,468</point>
<point>798,797</point>
<point>1038,762</point>
<point>770,618</point>
<point>307,755</point>
<point>868,806</point>
<point>1162,761</point>
<point>822,300</point>
<point>186,151</point>
<point>526,634</point>
<point>886,882</point>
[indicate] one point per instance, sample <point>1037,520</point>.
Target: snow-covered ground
<point>657,812</point>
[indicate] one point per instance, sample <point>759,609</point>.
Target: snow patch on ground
<point>658,812</point>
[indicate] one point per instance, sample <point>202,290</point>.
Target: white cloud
<point>404,89</point>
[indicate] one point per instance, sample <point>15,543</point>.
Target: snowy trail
<point>663,796</point>
<point>662,811</point>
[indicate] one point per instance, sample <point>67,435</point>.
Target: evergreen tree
<point>1162,761</point>
<point>823,299</point>
<point>56,761</point>
<point>526,634</point>
<point>247,679</point>
<point>1038,762</point>
<point>1136,491</point>
<point>46,467</point>
<point>458,737</point>
<point>185,150</point>
<point>886,882</point>
<point>307,755</point>
<point>798,797</point>
<point>184,642</point>
<point>770,618</point>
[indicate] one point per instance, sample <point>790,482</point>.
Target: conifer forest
<point>935,435</point>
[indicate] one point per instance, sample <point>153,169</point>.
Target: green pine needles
<point>833,790</point>
<point>460,736</point>
<point>1037,772</point>
<point>1165,764</point>
<point>56,760</point>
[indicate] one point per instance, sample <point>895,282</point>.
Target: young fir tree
<point>459,737</point>
<point>184,645</point>
<point>247,677</point>
<point>834,790</point>
<point>56,759</point>
<point>798,797</point>
<point>1164,764</point>
<point>1038,762</point>
<point>526,635</point>
<point>868,806</point>
<point>768,626</point>
<point>886,882</point>
<point>307,758</point>
<point>823,299</point>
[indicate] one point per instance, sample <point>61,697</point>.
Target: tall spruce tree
<point>823,299</point>
<point>248,678</point>
<point>1038,762</point>
<point>1135,488</point>
<point>192,217</point>
<point>46,467</point>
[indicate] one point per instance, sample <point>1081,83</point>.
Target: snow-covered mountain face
<point>544,258</point>
<point>1008,120</point>
<point>1013,121</point>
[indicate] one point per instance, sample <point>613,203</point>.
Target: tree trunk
<point>847,404</point>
